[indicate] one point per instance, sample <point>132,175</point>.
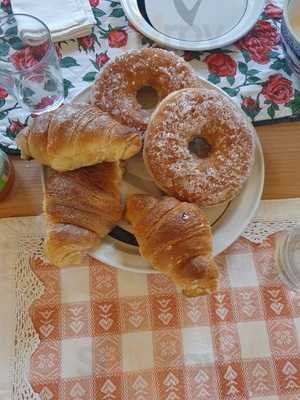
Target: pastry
<point>116,87</point>
<point>198,147</point>
<point>77,135</point>
<point>176,239</point>
<point>87,199</point>
<point>68,244</point>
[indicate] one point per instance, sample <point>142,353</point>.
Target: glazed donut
<point>116,87</point>
<point>173,147</point>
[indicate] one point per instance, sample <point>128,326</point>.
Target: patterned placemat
<point>113,335</point>
<point>253,71</point>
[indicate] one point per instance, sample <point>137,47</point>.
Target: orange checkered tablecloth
<point>113,335</point>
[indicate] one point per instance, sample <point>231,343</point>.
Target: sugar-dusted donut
<point>116,87</point>
<point>173,147</point>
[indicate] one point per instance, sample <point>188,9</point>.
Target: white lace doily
<point>22,239</point>
<point>273,216</point>
<point>259,230</point>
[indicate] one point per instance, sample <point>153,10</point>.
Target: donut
<point>116,87</point>
<point>198,147</point>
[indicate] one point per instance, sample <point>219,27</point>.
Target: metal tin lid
<point>193,24</point>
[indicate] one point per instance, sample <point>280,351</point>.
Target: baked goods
<point>116,87</point>
<point>176,239</point>
<point>68,244</point>
<point>77,135</point>
<point>89,199</point>
<point>82,205</point>
<point>170,149</point>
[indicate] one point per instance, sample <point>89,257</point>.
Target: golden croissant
<point>82,207</point>
<point>68,244</point>
<point>75,136</point>
<point>176,239</point>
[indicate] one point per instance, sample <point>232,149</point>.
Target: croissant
<point>81,206</point>
<point>68,244</point>
<point>176,239</point>
<point>75,136</point>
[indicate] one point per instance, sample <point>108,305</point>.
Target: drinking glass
<point>29,66</point>
<point>288,258</point>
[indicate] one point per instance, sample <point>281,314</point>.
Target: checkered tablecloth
<point>113,335</point>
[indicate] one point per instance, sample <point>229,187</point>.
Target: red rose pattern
<point>258,50</point>
<point>249,102</point>
<point>3,93</point>
<point>45,101</point>
<point>87,42</point>
<point>23,59</point>
<point>278,89</point>
<point>101,59</point>
<point>40,51</point>
<point>94,3</point>
<point>15,126</point>
<point>29,56</point>
<point>221,64</point>
<point>264,29</point>
<point>272,11</point>
<point>259,41</point>
<point>117,38</point>
<point>188,55</point>
<point>250,106</point>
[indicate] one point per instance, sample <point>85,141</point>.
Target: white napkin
<point>66,19</point>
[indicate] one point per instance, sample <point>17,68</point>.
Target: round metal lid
<point>193,24</point>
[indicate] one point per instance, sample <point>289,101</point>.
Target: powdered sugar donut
<point>116,87</point>
<point>185,123</point>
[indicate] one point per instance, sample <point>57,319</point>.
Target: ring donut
<point>116,87</point>
<point>173,147</point>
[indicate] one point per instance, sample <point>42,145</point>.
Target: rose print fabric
<point>253,70</point>
<point>108,334</point>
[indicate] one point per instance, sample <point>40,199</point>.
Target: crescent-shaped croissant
<point>75,136</point>
<point>176,238</point>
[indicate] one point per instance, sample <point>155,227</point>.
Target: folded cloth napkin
<point>67,19</point>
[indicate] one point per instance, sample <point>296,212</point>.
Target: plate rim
<point>260,160</point>
<point>131,11</point>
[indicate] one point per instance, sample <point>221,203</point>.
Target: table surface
<point>281,145</point>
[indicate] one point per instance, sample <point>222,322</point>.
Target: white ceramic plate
<point>193,24</point>
<point>228,220</point>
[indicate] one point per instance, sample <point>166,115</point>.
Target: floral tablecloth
<point>253,71</point>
